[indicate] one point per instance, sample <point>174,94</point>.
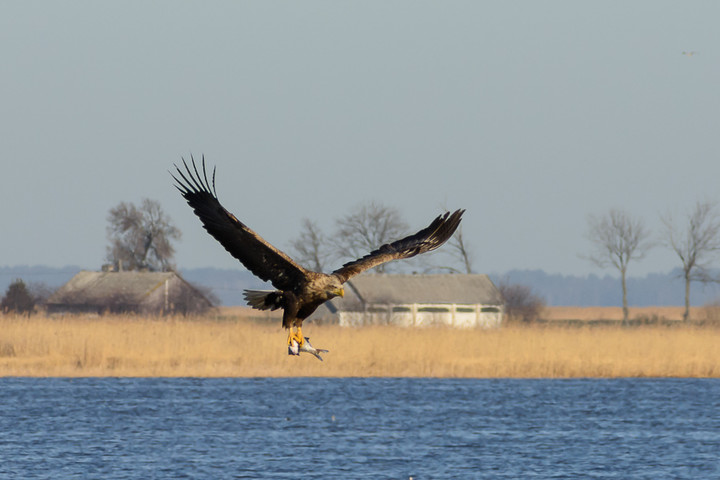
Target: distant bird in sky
<point>689,54</point>
<point>299,291</point>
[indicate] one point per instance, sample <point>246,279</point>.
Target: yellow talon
<point>295,337</point>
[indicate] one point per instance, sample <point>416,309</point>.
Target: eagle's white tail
<point>263,299</point>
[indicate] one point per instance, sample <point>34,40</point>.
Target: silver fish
<point>294,349</point>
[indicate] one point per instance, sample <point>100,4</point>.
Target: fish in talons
<point>295,348</point>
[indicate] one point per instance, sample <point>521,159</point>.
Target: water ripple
<point>359,428</point>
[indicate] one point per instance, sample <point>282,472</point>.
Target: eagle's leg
<point>295,336</point>
<point>300,338</point>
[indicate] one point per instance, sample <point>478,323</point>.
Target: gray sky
<point>531,115</point>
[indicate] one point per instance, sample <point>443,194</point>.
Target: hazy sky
<point>531,115</point>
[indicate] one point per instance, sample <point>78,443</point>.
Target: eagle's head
<point>325,287</point>
<point>335,288</point>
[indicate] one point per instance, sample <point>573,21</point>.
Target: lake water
<point>359,428</point>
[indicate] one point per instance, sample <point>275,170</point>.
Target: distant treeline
<point>227,284</point>
<point>656,289</point>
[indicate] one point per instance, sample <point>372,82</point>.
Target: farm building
<point>415,300</point>
<point>155,293</point>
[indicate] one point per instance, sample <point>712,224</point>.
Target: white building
<point>465,301</point>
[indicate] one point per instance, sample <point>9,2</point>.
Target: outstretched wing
<point>258,256</point>
<point>427,239</point>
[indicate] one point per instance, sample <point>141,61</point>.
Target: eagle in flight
<point>299,291</point>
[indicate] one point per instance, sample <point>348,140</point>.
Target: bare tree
<point>366,228</point>
<point>361,231</point>
<point>696,243</point>
<point>140,237</point>
<point>312,248</point>
<point>458,248</point>
<point>40,292</point>
<point>521,304</point>
<point>458,253</point>
<point>618,239</point>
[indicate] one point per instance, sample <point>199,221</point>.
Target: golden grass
<point>235,346</point>
<point>615,314</point>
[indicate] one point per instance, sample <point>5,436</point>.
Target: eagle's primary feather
<point>426,240</point>
<point>299,291</point>
<point>258,256</point>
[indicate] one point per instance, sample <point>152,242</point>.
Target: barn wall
<point>490,316</point>
<point>414,315</point>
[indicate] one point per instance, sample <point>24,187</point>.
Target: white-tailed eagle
<point>299,291</point>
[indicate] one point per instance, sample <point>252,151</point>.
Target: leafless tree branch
<point>366,228</point>
<point>618,239</point>
<point>312,249</point>
<point>696,244</point>
<point>140,237</point>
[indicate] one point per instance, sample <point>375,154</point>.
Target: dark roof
<point>95,287</point>
<point>424,289</point>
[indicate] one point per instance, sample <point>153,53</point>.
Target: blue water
<point>359,428</point>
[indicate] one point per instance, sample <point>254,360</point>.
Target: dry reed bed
<point>590,314</point>
<point>204,347</point>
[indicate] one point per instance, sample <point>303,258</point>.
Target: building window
<point>433,309</point>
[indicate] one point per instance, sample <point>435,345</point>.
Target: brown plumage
<point>299,291</point>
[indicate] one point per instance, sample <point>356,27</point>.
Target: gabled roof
<point>96,287</point>
<point>423,289</point>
